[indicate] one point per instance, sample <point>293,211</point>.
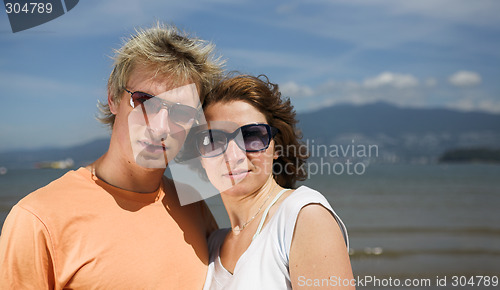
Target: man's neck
<point>126,174</point>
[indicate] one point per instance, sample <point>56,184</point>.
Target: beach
<point>404,221</point>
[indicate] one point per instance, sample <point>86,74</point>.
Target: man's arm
<point>25,252</point>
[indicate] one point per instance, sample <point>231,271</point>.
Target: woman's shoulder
<point>303,196</point>
<point>296,202</point>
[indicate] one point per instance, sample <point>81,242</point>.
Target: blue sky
<point>426,53</point>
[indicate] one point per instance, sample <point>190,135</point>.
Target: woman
<point>280,238</point>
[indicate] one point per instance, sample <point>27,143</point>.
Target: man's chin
<point>151,160</point>
<point>151,163</point>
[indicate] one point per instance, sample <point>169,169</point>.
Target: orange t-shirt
<point>79,232</point>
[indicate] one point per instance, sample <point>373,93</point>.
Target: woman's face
<point>236,172</point>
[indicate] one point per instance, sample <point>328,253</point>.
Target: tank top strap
<point>264,215</point>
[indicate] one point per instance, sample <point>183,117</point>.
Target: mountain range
<point>400,134</point>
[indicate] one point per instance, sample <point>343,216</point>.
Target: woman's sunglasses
<point>254,138</point>
<point>178,113</point>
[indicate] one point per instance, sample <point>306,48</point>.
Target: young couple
<point>118,223</point>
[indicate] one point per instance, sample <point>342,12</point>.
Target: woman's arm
<point>318,254</point>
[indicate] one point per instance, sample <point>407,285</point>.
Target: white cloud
<point>395,80</point>
<point>396,88</point>
<point>489,105</point>
<point>465,78</point>
<point>464,104</point>
<point>294,90</point>
<point>431,82</point>
<point>476,101</point>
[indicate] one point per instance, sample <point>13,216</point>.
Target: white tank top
<point>264,265</point>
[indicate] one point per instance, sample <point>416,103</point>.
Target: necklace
<point>96,178</point>
<point>237,229</point>
<point>92,172</point>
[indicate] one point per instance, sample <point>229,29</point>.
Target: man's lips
<point>152,146</point>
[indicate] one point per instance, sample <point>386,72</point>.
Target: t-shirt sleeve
<point>26,260</point>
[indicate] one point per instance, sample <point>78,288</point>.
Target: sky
<point>425,53</point>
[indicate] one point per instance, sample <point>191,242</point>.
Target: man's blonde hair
<point>164,51</point>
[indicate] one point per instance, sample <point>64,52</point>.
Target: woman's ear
<point>277,152</point>
<point>113,107</point>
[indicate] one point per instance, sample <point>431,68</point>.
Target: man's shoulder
<point>57,192</point>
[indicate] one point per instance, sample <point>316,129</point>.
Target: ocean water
<point>404,221</point>
<point>411,221</point>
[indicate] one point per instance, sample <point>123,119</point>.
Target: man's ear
<point>113,107</point>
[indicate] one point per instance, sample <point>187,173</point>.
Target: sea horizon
<point>403,220</point>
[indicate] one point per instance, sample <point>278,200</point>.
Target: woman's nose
<point>233,152</point>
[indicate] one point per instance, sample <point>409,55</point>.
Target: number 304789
<point>28,8</point>
<point>463,281</point>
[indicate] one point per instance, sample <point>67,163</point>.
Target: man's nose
<point>159,123</point>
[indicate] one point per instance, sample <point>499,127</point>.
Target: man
<point>118,223</point>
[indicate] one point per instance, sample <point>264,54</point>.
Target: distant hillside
<point>81,154</point>
<point>471,155</point>
<point>383,118</point>
<point>401,134</point>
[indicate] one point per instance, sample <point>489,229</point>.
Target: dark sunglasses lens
<point>211,143</point>
<point>183,114</point>
<point>256,137</point>
<point>140,98</point>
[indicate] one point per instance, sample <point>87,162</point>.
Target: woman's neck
<point>243,208</point>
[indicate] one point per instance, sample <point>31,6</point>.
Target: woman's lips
<point>237,174</point>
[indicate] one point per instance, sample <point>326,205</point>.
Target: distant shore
<point>471,155</point>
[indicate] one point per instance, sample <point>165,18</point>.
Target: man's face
<point>158,117</point>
